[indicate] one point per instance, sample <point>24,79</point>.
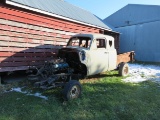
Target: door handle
<point>105,52</point>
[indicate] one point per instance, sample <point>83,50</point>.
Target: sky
<point>104,8</point>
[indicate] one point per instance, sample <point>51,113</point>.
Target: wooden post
<point>0,80</point>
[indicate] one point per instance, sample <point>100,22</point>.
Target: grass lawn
<point>104,97</point>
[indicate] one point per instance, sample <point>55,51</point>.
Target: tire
<point>123,69</point>
<point>72,90</point>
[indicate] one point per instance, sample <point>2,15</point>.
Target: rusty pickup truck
<point>84,55</point>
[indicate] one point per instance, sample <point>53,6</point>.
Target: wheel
<point>72,90</point>
<point>123,69</point>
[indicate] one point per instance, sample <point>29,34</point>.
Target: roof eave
<point>53,15</point>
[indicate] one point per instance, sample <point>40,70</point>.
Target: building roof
<point>61,9</point>
<point>134,14</point>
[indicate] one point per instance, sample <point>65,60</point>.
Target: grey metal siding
<point>144,39</point>
<point>139,26</point>
<point>133,14</point>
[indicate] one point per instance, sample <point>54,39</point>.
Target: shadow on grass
<point>103,99</point>
<point>102,76</point>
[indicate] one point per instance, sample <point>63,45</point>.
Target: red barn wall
<point>29,39</point>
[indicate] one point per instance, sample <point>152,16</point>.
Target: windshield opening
<point>80,42</point>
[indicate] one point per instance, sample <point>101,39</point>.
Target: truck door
<point>99,57</point>
<point>112,54</point>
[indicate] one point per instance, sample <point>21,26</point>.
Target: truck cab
<point>90,54</point>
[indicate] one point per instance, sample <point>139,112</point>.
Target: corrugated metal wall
<point>144,39</point>
<point>133,14</point>
<point>28,39</point>
<point>139,26</point>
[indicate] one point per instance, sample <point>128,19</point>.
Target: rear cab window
<point>101,43</point>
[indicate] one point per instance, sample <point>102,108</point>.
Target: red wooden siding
<point>29,39</point>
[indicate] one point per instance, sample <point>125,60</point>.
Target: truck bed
<point>125,57</point>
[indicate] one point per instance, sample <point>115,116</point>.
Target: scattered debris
<point>138,73</point>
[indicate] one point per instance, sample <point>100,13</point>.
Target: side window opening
<point>110,43</point>
<point>101,43</point>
